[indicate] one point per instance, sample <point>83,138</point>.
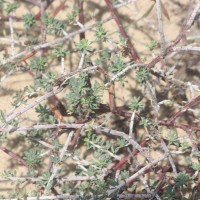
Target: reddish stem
<point>59,8</point>
<point>29,55</point>
<point>115,16</point>
<point>127,158</point>
<point>112,103</point>
<point>185,108</point>
<point>81,17</point>
<point>38,15</point>
<point>76,136</point>
<point>16,157</point>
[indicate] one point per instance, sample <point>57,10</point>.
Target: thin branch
<point>184,109</point>
<point>65,196</point>
<point>138,173</point>
<point>128,157</point>
<point>126,69</point>
<point>11,40</point>
<point>52,43</point>
<point>166,150</point>
<point>112,103</point>
<point>64,178</point>
<point>14,156</point>
<point>59,8</point>
<point>131,134</point>
<point>12,35</point>
<point>46,96</point>
<point>186,48</point>
<point>115,16</point>
<point>81,17</point>
<point>160,27</point>
<point>56,166</point>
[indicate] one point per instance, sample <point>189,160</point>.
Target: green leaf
<point>8,173</point>
<point>46,81</point>
<point>136,104</point>
<point>185,145</point>
<point>124,174</point>
<point>11,7</point>
<point>145,122</point>
<point>118,64</point>
<point>71,17</point>
<point>142,75</point>
<point>152,45</point>
<point>39,63</point>
<point>84,46</point>
<point>101,33</point>
<point>2,116</point>
<point>123,41</point>
<point>32,157</point>
<point>196,166</point>
<point>44,178</point>
<point>29,19</point>
<point>60,52</point>
<point>170,194</point>
<point>54,26</point>
<point>173,138</point>
<point>182,179</point>
<point>19,99</point>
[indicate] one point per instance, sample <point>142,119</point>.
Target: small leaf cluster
<point>182,179</point>
<point>118,64</point>
<point>95,190</point>
<point>152,45</point>
<point>101,33</point>
<point>44,179</point>
<point>142,75</point>
<point>60,52</point>
<point>45,114</point>
<point>175,192</point>
<point>102,161</point>
<point>84,46</point>
<point>136,104</point>
<point>170,194</point>
<point>123,41</point>
<point>10,7</point>
<point>145,122</point>
<point>10,66</point>
<point>71,17</point>
<point>125,174</point>
<point>83,96</point>
<point>54,26</point>
<point>92,141</point>
<point>2,116</point>
<point>46,81</point>
<point>31,92</point>
<point>172,138</point>
<point>8,173</point>
<point>39,64</point>
<point>196,166</point>
<point>32,157</point>
<point>104,58</point>
<point>29,19</point>
<point>19,98</point>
